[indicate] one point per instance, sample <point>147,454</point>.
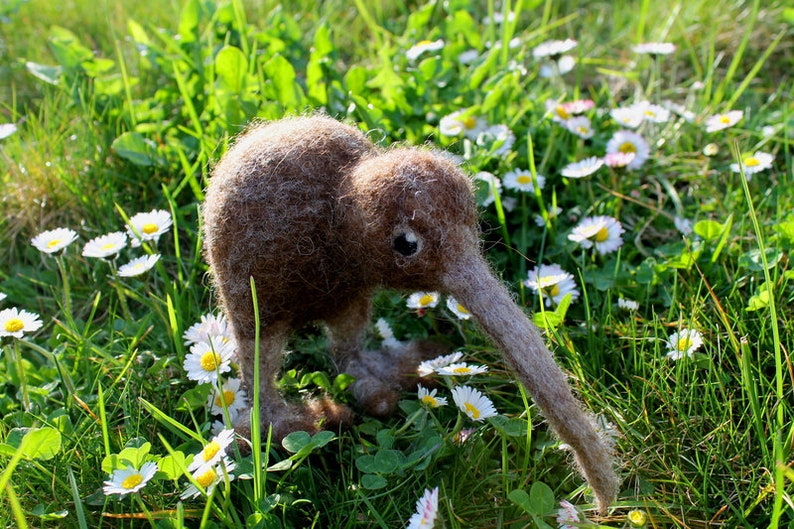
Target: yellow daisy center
<point>461,370</point>
<point>108,246</point>
<point>524,179</point>
<point>751,161</point>
<point>602,234</point>
<point>725,119</point>
<point>627,147</point>
<point>227,398</point>
<point>210,450</point>
<point>149,228</point>
<point>130,482</point>
<point>207,478</point>
<point>582,130</point>
<point>472,410</point>
<point>14,325</point>
<point>424,42</point>
<point>53,243</point>
<point>469,122</point>
<point>430,401</point>
<point>552,290</point>
<point>210,361</point>
<point>683,344</point>
<point>562,113</point>
<point>462,309</point>
<point>425,300</point>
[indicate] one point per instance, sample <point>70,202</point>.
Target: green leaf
<point>134,456</point>
<point>231,67</point>
<point>322,438</point>
<point>373,481</point>
<point>134,147</point>
<point>316,70</point>
<point>42,72</point>
<point>366,463</point>
<point>709,230</point>
<point>296,441</point>
<point>387,461</point>
<point>33,443</point>
<point>520,498</point>
<point>542,498</point>
<point>68,50</point>
<point>194,398</point>
<point>754,259</point>
<point>173,465</point>
<point>282,75</point>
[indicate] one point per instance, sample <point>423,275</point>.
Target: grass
<point>123,109</point>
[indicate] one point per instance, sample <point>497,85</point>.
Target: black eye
<point>405,243</point>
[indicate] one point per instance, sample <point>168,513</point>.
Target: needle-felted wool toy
<point>320,218</point>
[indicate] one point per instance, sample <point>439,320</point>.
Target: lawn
<point>632,165</point>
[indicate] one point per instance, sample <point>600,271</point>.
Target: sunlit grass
<point>142,106</point>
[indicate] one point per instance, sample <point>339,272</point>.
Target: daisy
<point>522,180</point>
<point>461,369</point>
<point>207,360</point>
<point>618,159</point>
<point>630,116</point>
<point>680,110</point>
<point>580,126</point>
<point>422,300</point>
<point>462,122</point>
<point>654,48</point>
<point>7,129</point>
<point>428,397</point>
<point>15,322</point>
<point>559,112</point>
<point>230,397</point>
<point>628,304</point>
<point>139,265</point>
<point>493,184</point>
<point>552,282</point>
<point>549,69</point>
<point>213,452</point>
<point>208,478</point>
<point>473,403</point>
<point>552,213</point>
<point>683,343</point>
<point>2,296</point>
<point>54,240</point>
<point>421,47</point>
<point>426,511</point>
<point>724,120</point>
<point>568,516</point>
<point>582,168</point>
<point>753,163</point>
<point>209,326</point>
<point>468,57</point>
<point>497,135</point>
<point>105,245</point>
<point>385,332</point>
<point>553,48</point>
<point>148,226</point>
<point>654,113</point>
<point>601,231</point>
<point>428,367</point>
<point>626,141</point>
<point>129,479</point>
<point>457,309</point>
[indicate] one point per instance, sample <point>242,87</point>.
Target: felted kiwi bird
<point>320,218</point>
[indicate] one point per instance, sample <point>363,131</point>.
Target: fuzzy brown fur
<point>320,219</point>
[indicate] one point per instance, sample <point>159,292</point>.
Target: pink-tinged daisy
<point>426,511</point>
<point>553,48</point>
<point>209,326</point>
<point>753,163</point>
<point>654,48</point>
<point>580,126</point>
<point>601,232</point>
<point>213,452</point>
<point>477,406</point>
<point>15,322</point>
<point>231,398</point>
<point>423,46</point>
<point>207,360</point>
<point>54,240</point>
<point>422,300</point>
<point>724,120</point>
<point>462,122</point>
<point>552,283</point>
<point>619,159</point>
<point>629,142</point>
<point>582,168</point>
<point>139,265</point>
<point>461,369</point>
<point>208,477</point>
<point>129,479</point>
<point>522,180</point>
<point>105,245</point>
<point>148,226</point>
<point>428,397</point>
<point>568,517</point>
<point>457,309</point>
<point>683,343</point>
<point>428,367</point>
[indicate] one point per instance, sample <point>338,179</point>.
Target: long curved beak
<point>470,280</point>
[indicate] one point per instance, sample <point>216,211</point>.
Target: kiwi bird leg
<point>471,281</point>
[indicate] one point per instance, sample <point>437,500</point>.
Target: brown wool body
<point>320,218</point>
